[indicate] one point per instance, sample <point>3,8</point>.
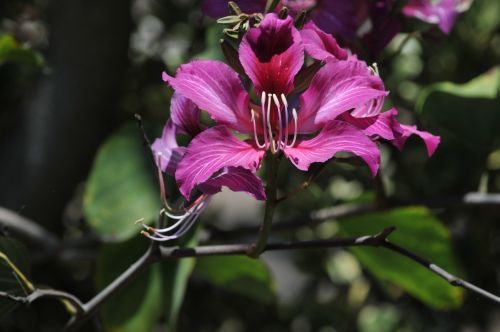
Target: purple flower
<point>440,12</point>
<point>309,127</point>
<point>332,16</point>
<point>185,119</point>
<point>367,116</point>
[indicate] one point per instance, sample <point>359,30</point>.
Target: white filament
<point>281,139</point>
<point>180,227</point>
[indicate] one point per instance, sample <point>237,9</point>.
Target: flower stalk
<point>271,202</point>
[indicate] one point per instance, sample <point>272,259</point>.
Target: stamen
<point>271,138</point>
<point>181,226</point>
<point>255,132</point>
<point>374,69</point>
<point>294,113</point>
<point>280,131</point>
<point>285,104</point>
<point>263,113</point>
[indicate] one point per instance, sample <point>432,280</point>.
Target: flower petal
<point>431,141</point>
<point>443,13</point>
<point>384,125</point>
<point>320,45</point>
<point>236,179</point>
<point>209,152</point>
<point>337,87</point>
<point>272,54</point>
<point>166,151</point>
<point>219,8</point>
<point>185,115</point>
<point>336,136</point>
<point>213,86</point>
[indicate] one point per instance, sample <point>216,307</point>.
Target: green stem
<point>271,188</point>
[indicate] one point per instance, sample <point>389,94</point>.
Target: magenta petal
<point>185,115</point>
<point>384,125</point>
<point>219,8</point>
<point>320,45</point>
<point>236,179</point>
<point>166,151</point>
<point>272,54</point>
<point>209,152</point>
<point>431,141</point>
<point>337,87</point>
<point>443,13</point>
<point>214,87</point>
<point>336,136</point>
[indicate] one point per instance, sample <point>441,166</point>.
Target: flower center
<point>275,125</point>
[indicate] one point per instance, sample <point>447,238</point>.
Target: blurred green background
<point>73,73</point>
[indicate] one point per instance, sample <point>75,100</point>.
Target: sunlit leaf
<point>121,188</point>
<point>239,274</point>
<point>466,113</point>
<point>12,52</point>
<point>416,230</point>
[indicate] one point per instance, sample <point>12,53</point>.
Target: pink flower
<point>367,116</point>
<point>185,119</point>
<point>440,12</point>
<point>309,127</point>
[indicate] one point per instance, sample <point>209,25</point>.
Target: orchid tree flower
<point>333,16</point>
<point>368,117</point>
<point>440,12</point>
<point>306,128</point>
<point>185,119</point>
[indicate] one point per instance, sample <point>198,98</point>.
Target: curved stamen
<point>263,113</point>
<point>186,224</point>
<point>270,131</point>
<point>294,113</point>
<point>280,130</point>
<point>285,104</point>
<point>255,132</point>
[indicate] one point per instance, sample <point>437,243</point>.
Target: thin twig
<point>122,280</point>
<point>452,279</point>
<point>50,293</point>
<point>169,253</point>
<point>28,229</point>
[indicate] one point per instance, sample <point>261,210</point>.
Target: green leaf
<point>11,51</point>
<point>239,274</point>
<point>121,188</point>
<point>18,255</point>
<point>467,114</point>
<point>176,275</point>
<point>136,307</point>
<point>212,51</point>
<point>420,232</point>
